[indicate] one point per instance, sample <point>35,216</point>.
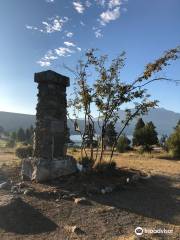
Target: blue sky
<point>37,35</point>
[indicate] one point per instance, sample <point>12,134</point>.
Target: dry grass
<point>2,143</point>
<point>155,162</point>
<point>150,204</point>
<point>8,157</point>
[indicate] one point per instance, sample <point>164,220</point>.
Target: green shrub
<point>145,148</point>
<point>94,143</point>
<point>10,144</point>
<point>105,166</point>
<point>145,135</point>
<point>163,142</point>
<point>73,150</point>
<point>87,162</point>
<point>24,151</point>
<point>173,143</point>
<point>123,144</point>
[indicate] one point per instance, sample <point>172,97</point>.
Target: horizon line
<point>31,114</point>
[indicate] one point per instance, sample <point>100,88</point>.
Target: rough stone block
<point>43,170</point>
<point>57,126</point>
<point>27,169</point>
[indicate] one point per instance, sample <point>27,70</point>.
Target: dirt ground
<point>48,211</point>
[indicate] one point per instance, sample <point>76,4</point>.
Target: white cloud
<point>101,2</point>
<point>44,63</point>
<point>46,60</point>
<point>98,33</point>
<point>50,1</point>
<point>69,34</point>
<point>50,56</point>
<point>78,6</point>
<point>109,15</point>
<point>53,25</point>
<point>114,3</point>
<point>69,44</point>
<point>63,51</point>
<point>31,27</point>
<point>82,23</point>
<point>56,24</point>
<point>54,54</point>
<point>88,3</point>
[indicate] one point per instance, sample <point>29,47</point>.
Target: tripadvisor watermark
<point>140,231</point>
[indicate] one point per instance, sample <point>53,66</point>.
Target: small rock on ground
<point>74,229</point>
<point>3,185</point>
<point>82,200</point>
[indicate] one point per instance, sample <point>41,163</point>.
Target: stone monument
<point>50,140</point>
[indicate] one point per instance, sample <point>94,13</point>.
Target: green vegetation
<point>24,135</point>
<point>105,167</point>
<point>24,151</point>
<point>137,140</point>
<point>173,142</point>
<point>73,150</point>
<point>1,129</point>
<point>110,134</point>
<point>21,136</point>
<point>145,135</point>
<point>87,163</point>
<point>10,144</point>
<point>3,143</point>
<point>123,144</point>
<point>163,142</point>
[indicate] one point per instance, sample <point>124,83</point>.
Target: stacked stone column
<point>51,120</point>
<point>50,141</point>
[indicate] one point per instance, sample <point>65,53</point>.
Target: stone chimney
<point>50,141</point>
<point>51,117</point>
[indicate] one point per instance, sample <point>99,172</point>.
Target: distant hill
<point>163,119</point>
<point>13,121</point>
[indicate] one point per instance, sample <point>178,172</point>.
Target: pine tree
<point>149,136</point>
<point>173,142</point>
<point>13,136</point>
<point>153,136</point>
<point>21,136</point>
<point>28,135</point>
<point>145,135</point>
<point>177,125</point>
<point>163,141</point>
<point>1,129</point>
<point>123,144</point>
<point>110,134</point>
<point>137,140</point>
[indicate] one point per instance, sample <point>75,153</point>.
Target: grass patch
<point>3,143</point>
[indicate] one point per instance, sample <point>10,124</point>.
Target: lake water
<point>77,139</point>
